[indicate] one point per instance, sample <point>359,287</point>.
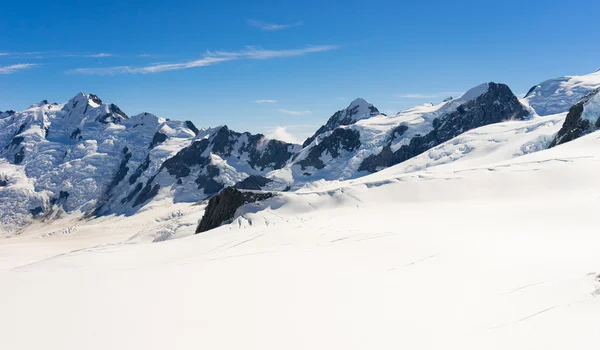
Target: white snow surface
<point>560,94</point>
<point>497,254</point>
<point>487,241</point>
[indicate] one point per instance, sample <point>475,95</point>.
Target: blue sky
<point>257,65</point>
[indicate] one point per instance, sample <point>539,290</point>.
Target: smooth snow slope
<point>497,256</point>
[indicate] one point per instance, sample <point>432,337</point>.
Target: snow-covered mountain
<point>484,253</point>
<point>89,158</point>
<point>560,94</point>
<point>359,140</point>
<point>486,237</point>
<point>583,118</point>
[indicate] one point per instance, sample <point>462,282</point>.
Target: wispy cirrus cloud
<point>272,26</point>
<point>210,58</point>
<point>17,67</point>
<point>266,101</point>
<point>99,55</point>
<point>292,112</point>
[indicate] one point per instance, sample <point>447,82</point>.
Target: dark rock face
<point>207,181</point>
<point>192,127</point>
<point>62,198</point>
<point>157,139</point>
<point>397,132</point>
<point>574,126</point>
<point>19,156</point>
<point>223,141</point>
<point>253,182</point>
<point>223,206</point>
<point>115,115</point>
<point>133,193</point>
<point>341,117</point>
<point>3,182</point>
<point>121,171</point>
<point>95,99</point>
<point>179,165</point>
<point>75,134</point>
<point>147,193</point>
<point>340,139</point>
<point>496,105</point>
<point>36,211</point>
<point>16,141</point>
<point>116,110</point>
<point>274,156</point>
<point>21,128</point>
<point>138,172</point>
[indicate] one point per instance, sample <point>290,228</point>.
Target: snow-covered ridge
<point>90,157</point>
<point>358,109</point>
<point>560,94</point>
<point>341,151</point>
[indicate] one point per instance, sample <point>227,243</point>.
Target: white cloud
<point>258,53</point>
<point>4,54</point>
<point>145,55</point>
<point>281,133</point>
<point>207,61</point>
<point>291,112</point>
<point>266,101</point>
<point>99,55</point>
<point>209,58</point>
<point>272,26</point>
<point>295,133</point>
<point>16,67</point>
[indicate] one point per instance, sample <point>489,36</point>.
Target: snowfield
<point>495,250</point>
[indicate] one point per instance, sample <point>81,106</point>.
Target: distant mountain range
<point>90,158</point>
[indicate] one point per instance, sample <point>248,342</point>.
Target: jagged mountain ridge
<point>90,157</point>
<point>347,148</point>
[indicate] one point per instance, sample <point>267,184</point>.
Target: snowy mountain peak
<point>39,104</point>
<point>358,102</point>
<point>559,94</point>
<point>362,106</point>
<point>358,109</point>
<point>475,92</point>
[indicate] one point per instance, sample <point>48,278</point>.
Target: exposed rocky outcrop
<point>357,110</point>
<point>157,139</point>
<point>223,206</point>
<point>262,153</point>
<point>340,139</point>
<point>575,124</point>
<point>253,182</point>
<point>220,158</point>
<point>497,104</point>
<point>192,127</point>
<point>179,165</point>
